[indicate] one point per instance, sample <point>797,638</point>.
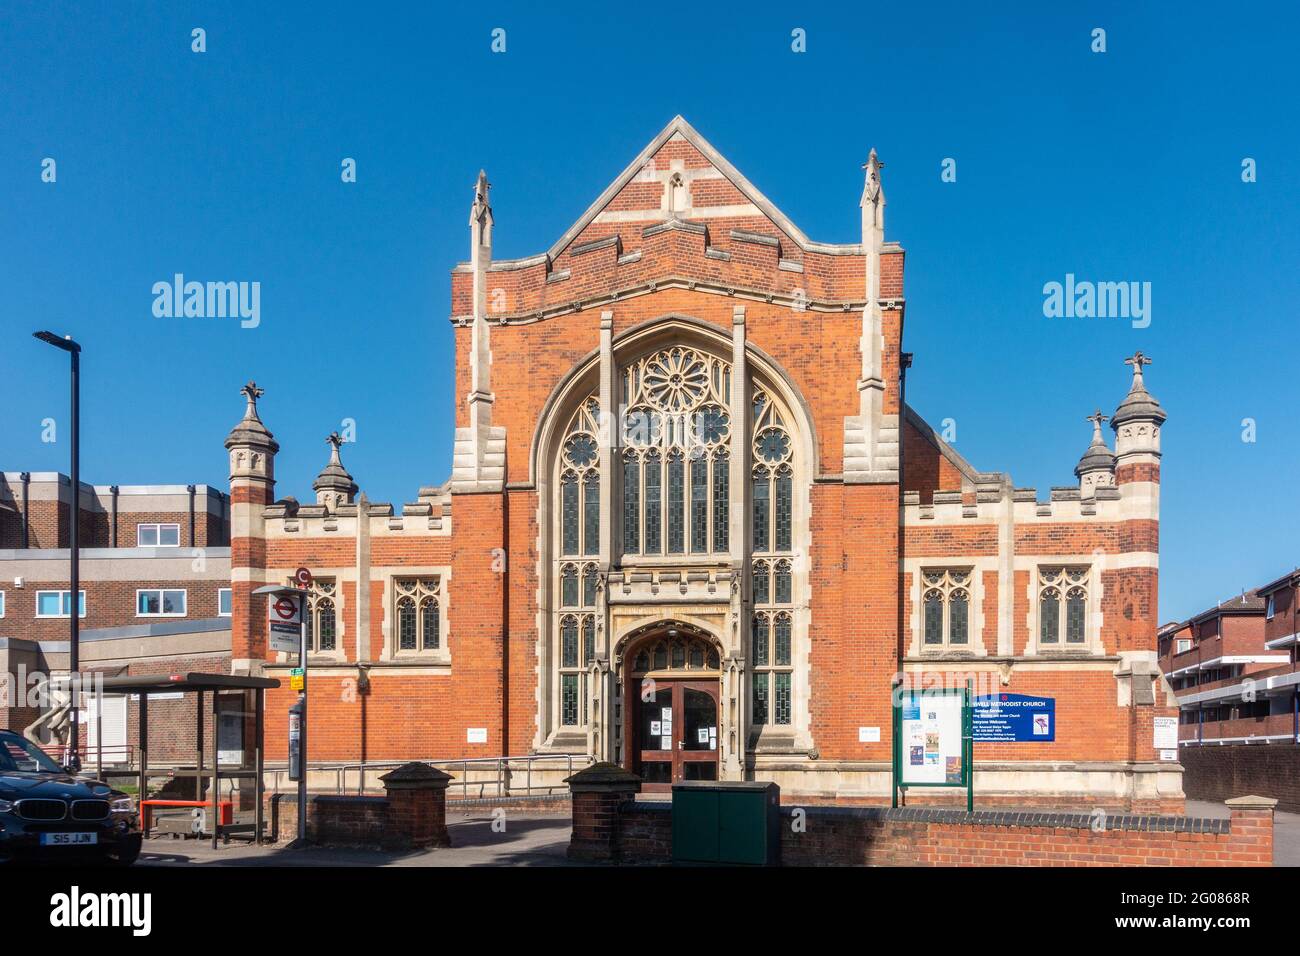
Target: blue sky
<point>1124,165</point>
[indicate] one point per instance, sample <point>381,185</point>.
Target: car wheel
<point>127,852</point>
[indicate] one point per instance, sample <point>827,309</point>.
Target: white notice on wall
<point>1164,732</point>
<point>868,735</point>
<point>476,735</point>
<point>1169,755</point>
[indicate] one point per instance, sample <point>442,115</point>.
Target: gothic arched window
<point>417,615</point>
<point>773,479</point>
<point>578,588</point>
<point>321,623</point>
<point>945,608</point>
<point>580,482</point>
<point>675,464</point>
<point>1062,607</point>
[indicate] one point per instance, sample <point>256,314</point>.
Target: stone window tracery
<point>675,464</point>
<point>945,608</point>
<point>771,639</point>
<point>580,482</point>
<point>579,584</point>
<point>322,624</point>
<point>418,615</point>
<point>773,478</point>
<point>1062,607</point>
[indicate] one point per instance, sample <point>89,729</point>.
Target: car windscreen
<point>20,754</point>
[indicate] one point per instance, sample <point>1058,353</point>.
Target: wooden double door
<point>674,732</point>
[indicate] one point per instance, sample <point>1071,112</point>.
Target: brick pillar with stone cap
<point>598,793</point>
<point>1252,830</point>
<point>417,799</point>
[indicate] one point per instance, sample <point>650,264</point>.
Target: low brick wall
<point>912,836</point>
<point>412,815</point>
<point>1213,772</point>
<point>551,803</point>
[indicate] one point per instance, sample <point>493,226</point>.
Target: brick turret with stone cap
<point>1097,466</point>
<point>252,450</point>
<point>334,486</point>
<point>1136,423</point>
<point>1134,578</point>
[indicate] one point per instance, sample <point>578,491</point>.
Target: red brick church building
<point>692,527</point>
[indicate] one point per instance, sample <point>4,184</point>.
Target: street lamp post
<point>74,573</point>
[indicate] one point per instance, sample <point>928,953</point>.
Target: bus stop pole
<point>302,738</point>
<point>216,771</point>
<point>257,743</point>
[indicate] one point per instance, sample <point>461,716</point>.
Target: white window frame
<point>185,600</point>
<point>157,530</point>
<point>1270,609</point>
<point>1182,645</point>
<point>2,603</point>
<point>81,603</point>
<point>231,593</point>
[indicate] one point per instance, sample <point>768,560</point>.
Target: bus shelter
<point>205,686</point>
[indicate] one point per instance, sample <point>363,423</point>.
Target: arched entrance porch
<point>672,706</point>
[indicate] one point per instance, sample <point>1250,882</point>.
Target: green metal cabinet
<point>729,822</point>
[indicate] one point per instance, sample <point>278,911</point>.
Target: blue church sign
<point>1014,718</point>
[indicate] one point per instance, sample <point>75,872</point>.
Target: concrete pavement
<point>527,840</point>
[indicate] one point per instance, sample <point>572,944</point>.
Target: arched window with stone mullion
<point>675,468</point>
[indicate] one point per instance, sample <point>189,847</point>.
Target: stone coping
<point>998,818</point>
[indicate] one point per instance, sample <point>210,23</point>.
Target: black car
<point>50,815</point>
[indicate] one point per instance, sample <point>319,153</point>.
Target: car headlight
<point>123,805</point>
<point>6,806</point>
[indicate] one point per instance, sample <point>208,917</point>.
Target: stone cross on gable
<point>1137,360</point>
<point>335,441</point>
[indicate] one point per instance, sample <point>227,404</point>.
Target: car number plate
<point>69,839</point>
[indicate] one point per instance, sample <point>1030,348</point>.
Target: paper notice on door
<point>702,736</point>
<point>654,728</point>
<point>713,738</point>
<point>666,743</point>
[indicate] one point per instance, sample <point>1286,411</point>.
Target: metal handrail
<point>501,783</point>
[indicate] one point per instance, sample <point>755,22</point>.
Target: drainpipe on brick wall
<point>112,520</point>
<point>904,363</point>
<point>190,489</point>
<point>26,478</point>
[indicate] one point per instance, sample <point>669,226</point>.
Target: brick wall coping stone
<point>604,777</point>
<point>506,801</point>
<point>350,798</point>
<point>1019,818</point>
<point>1252,802</point>
<point>415,776</point>
<point>1006,818</point>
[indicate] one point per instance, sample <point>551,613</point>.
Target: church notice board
<point>933,740</point>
